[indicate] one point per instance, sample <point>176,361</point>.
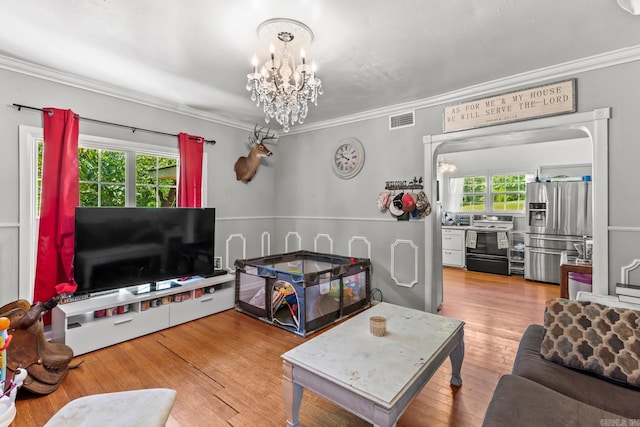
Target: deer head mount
<point>246,167</point>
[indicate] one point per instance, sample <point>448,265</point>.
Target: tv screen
<point>122,247</point>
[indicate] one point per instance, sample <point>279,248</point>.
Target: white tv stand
<point>76,325</point>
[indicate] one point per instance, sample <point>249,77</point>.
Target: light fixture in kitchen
<point>445,166</point>
<point>285,83</point>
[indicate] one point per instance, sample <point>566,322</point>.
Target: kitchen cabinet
<point>453,246</point>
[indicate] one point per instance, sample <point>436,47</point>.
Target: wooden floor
<point>226,368</point>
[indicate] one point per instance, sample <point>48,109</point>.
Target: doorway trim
<point>593,124</point>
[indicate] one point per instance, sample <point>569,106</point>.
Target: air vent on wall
<point>401,120</point>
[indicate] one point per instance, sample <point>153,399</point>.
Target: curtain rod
<point>102,122</point>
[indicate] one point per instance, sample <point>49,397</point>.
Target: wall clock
<point>347,158</point>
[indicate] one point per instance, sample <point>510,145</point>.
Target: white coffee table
<point>373,377</point>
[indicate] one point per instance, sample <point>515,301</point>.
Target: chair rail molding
<point>415,262</point>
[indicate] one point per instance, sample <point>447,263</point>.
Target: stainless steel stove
<point>487,244</point>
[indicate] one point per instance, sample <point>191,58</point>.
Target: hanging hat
<point>383,200</point>
<point>395,207</point>
<point>422,204</point>
<point>408,203</point>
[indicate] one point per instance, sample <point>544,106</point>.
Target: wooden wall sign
<point>532,103</point>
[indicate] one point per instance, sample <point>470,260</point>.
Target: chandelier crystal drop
<point>286,82</point>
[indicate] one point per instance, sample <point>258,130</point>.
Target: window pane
<point>167,171</point>
<point>112,166</point>
<point>167,197</point>
<point>509,192</point>
<point>112,195</point>
<point>145,196</point>
<point>156,180</point>
<point>88,194</point>
<point>473,193</point>
<point>39,177</point>
<point>88,161</point>
<point>146,169</point>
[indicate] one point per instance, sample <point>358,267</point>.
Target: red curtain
<point>59,198</point>
<point>190,180</point>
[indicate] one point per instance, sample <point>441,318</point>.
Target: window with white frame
<point>508,192</point>
<point>505,193</point>
<point>111,173</point>
<point>473,193</point>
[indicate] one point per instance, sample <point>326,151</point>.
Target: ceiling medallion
<point>285,84</point>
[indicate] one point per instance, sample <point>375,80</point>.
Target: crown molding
<point>608,59</point>
<point>29,69</point>
<point>506,84</point>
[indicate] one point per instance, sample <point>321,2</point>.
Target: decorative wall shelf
<point>414,184</point>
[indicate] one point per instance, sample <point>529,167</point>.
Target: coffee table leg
<point>291,395</point>
<point>456,357</point>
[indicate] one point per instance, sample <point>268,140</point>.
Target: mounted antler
<point>246,167</point>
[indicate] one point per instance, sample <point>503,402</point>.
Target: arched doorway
<point>592,125</point>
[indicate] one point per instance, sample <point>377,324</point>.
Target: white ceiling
<point>194,54</point>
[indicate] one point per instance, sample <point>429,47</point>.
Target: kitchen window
<point>473,193</point>
<point>508,192</point>
<point>505,193</point>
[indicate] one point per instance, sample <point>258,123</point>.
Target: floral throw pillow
<point>593,337</point>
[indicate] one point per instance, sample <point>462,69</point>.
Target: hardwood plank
<point>227,367</point>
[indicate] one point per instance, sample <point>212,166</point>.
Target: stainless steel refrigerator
<point>558,214</point>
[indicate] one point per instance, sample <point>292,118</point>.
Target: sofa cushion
<point>520,402</point>
<point>580,385</point>
<point>593,337</point>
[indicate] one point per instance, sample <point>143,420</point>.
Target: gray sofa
<point>539,392</point>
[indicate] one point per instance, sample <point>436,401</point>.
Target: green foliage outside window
<point>473,193</point>
<point>156,183</point>
<point>508,192</point>
<point>102,178</point>
<point>505,192</point>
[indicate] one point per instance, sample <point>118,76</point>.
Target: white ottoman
<point>148,408</point>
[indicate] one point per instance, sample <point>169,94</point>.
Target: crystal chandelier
<point>285,83</point>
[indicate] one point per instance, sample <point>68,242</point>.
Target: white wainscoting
<point>316,247</point>
<point>230,239</point>
<point>9,285</point>
<point>395,245</point>
<point>286,241</point>
<point>265,242</point>
<point>362,239</point>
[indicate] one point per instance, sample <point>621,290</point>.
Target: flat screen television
<point>123,247</point>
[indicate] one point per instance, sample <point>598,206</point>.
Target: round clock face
<point>348,158</point>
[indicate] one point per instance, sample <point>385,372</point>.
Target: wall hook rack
<point>413,184</point>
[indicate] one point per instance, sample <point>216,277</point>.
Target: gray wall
<point>237,204</point>
<point>296,190</point>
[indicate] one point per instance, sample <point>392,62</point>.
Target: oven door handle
<point>554,239</point>
<point>483,256</point>
<point>545,251</point>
